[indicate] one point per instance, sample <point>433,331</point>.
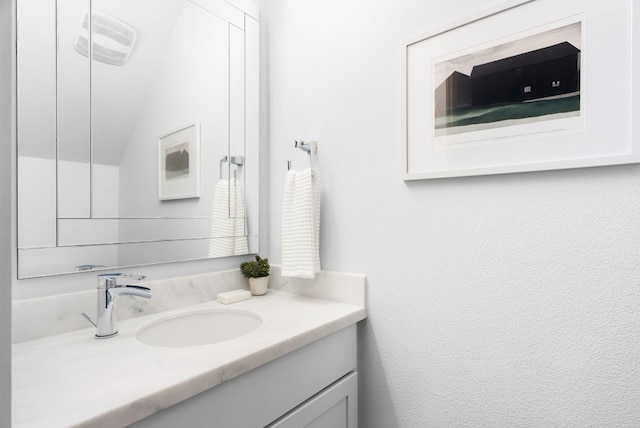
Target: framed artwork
<point>530,85</point>
<point>179,163</point>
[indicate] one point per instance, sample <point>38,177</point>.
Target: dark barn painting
<point>541,83</point>
<point>177,162</point>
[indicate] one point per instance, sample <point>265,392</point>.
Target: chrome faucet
<point>108,292</point>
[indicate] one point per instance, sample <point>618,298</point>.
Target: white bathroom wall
<point>7,258</point>
<point>494,301</point>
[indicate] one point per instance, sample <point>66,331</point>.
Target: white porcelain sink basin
<point>198,328</point>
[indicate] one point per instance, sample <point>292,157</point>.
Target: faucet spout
<point>130,290</point>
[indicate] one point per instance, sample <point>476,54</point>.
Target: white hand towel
<point>301,225</point>
<point>228,220</point>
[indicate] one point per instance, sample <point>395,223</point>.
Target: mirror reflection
<point>137,139</point>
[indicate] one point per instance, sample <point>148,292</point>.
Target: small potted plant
<point>258,273</point>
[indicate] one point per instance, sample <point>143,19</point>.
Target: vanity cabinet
<point>315,386</point>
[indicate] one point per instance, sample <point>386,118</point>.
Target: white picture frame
<point>464,139</point>
<point>179,163</point>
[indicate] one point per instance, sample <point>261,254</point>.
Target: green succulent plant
<point>257,268</point>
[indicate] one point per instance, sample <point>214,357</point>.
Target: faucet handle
<point>108,280</point>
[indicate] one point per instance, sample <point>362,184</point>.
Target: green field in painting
<point>508,111</point>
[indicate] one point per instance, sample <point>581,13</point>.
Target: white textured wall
<point>494,301</point>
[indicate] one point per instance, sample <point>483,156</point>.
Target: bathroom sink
<point>198,328</point>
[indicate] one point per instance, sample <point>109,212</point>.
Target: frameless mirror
<point>137,132</point>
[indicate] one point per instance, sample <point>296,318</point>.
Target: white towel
<point>228,220</point>
<point>301,225</point>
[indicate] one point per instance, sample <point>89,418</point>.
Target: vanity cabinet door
<point>334,407</point>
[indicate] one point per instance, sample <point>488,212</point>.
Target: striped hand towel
<point>228,220</point>
<point>301,225</point>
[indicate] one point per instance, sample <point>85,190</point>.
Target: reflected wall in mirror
<point>100,88</point>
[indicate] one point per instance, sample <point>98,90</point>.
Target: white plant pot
<point>258,286</point>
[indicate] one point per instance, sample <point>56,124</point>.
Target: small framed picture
<point>179,163</point>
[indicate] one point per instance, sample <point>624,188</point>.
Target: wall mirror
<point>137,132</point>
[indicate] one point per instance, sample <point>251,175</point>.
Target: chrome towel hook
<point>234,160</point>
<point>310,147</point>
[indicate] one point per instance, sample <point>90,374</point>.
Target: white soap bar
<point>233,296</point>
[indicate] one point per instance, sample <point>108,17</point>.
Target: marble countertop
<point>72,379</point>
